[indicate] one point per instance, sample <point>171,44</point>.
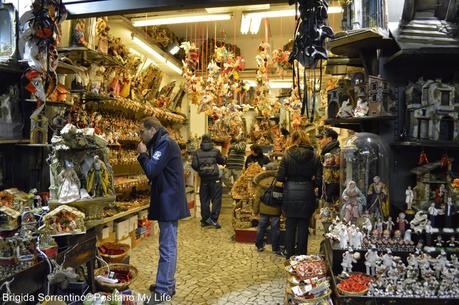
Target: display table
<point>333,257</point>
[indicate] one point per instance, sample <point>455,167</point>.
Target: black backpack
<point>207,169</point>
<point>273,195</point>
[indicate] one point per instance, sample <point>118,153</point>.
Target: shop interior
<point>380,77</point>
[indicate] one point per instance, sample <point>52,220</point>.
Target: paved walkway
<point>213,269</point>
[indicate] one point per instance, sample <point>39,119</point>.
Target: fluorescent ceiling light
<point>179,19</point>
<point>254,18</point>
<point>226,9</point>
<point>245,24</point>
<point>156,55</point>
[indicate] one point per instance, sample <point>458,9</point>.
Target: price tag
<point>297,291</point>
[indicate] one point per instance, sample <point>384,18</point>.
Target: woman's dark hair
<point>256,149</point>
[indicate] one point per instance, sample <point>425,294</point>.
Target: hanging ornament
<point>423,158</point>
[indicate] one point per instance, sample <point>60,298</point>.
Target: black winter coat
<point>298,171</point>
<point>164,168</point>
<point>209,156</point>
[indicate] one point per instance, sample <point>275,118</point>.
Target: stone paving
<point>212,269</point>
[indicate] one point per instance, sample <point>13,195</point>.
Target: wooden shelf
<point>65,68</point>
<point>86,56</point>
<point>94,223</point>
<point>356,121</point>
<point>445,57</point>
<point>427,143</point>
<point>35,145</point>
<point>349,44</point>
<point>14,141</point>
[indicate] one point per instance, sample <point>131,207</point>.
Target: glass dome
<point>365,156</point>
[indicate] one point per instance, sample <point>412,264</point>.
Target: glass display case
<point>7,31</point>
<point>359,14</point>
<point>365,161</point>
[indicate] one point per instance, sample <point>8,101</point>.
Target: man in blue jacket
<point>160,158</point>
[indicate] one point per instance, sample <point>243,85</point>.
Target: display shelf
<point>35,145</point>
<point>88,56</point>
<point>65,68</point>
<point>12,67</point>
<point>350,43</point>
<point>127,169</point>
<point>356,123</point>
<point>95,223</point>
<point>48,103</point>
<point>427,143</point>
<point>14,141</point>
<point>444,57</point>
<point>96,97</point>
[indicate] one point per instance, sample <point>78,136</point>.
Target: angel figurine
<point>69,190</point>
<point>353,202</point>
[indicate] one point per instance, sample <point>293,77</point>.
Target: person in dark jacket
<point>161,161</point>
<point>235,162</point>
<point>298,174</point>
<point>205,162</point>
<point>256,156</point>
<point>330,163</point>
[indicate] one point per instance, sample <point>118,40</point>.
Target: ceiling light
<point>245,24</point>
<point>254,18</point>
<point>178,19</point>
<point>174,50</point>
<point>226,9</point>
<point>160,58</point>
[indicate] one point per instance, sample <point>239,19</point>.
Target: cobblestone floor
<point>212,269</point>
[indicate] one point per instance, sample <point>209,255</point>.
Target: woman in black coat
<point>298,173</point>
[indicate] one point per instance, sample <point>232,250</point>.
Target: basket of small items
<point>113,252</point>
<point>354,284</point>
<point>115,276</point>
<point>307,281</point>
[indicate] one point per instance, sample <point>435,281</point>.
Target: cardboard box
<point>133,223</point>
<point>122,229</point>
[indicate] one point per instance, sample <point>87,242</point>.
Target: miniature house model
<point>39,127</point>
<point>64,220</point>
<point>9,218</point>
<point>336,97</point>
<point>432,109</point>
<point>380,96</point>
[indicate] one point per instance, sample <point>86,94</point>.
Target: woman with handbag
<point>298,172</point>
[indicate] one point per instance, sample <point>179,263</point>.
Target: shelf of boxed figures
<point>86,56</point>
<point>77,250</point>
<point>333,256</point>
<point>369,123</point>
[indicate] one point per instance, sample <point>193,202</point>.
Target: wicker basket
<point>343,292</point>
<point>303,301</point>
<point>119,258</point>
<point>119,286</point>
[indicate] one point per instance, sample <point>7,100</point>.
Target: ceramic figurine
<point>402,222</point>
<point>367,226</point>
<point>377,198</point>
<point>429,230</point>
<point>419,221</point>
<point>343,238</point>
<point>353,202</point>
<point>69,189</point>
<point>379,225</point>
<point>387,258</point>
<point>346,110</point>
<point>356,239</point>
<point>389,224</point>
<point>348,261</point>
<point>439,242</point>
<point>361,110</point>
<point>409,198</point>
<point>449,212</point>
<point>407,236</point>
<point>98,181</point>
<point>452,243</point>
<point>433,213</point>
<point>371,257</point>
